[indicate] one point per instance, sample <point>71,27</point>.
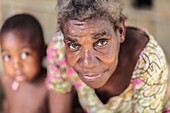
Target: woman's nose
<point>88,59</point>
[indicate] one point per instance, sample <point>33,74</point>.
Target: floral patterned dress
<point>145,94</point>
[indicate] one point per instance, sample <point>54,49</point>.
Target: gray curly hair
<point>88,9</point>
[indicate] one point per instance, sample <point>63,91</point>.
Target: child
<point>23,49</point>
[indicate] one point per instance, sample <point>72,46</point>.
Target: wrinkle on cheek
<point>109,57</point>
<point>72,58</point>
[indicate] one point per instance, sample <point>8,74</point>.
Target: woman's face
<point>92,48</point>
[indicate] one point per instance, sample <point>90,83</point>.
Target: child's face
<point>21,61</point>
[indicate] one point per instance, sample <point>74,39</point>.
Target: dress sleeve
<point>150,80</point>
<point>57,66</point>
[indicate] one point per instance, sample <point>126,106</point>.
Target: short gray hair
<point>88,9</point>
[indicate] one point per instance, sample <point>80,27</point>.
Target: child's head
<point>22,47</point>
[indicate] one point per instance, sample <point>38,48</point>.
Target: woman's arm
<point>60,103</point>
<point>58,83</point>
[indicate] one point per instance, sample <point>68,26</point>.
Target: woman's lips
<point>91,77</point>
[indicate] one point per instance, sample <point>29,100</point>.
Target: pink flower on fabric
<point>62,62</point>
<point>55,77</point>
<point>52,41</point>
<point>50,58</point>
<point>54,68</point>
<point>52,51</point>
<point>78,85</point>
<point>136,82</point>
<point>70,71</point>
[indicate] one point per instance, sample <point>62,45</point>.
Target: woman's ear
<point>122,32</point>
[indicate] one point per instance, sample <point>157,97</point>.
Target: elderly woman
<point>114,68</point>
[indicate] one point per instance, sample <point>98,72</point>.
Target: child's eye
<point>24,55</point>
<point>74,46</point>
<point>6,57</point>
<point>101,42</point>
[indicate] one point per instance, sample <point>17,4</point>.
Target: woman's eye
<point>24,55</point>
<point>6,57</point>
<point>101,42</point>
<point>73,46</point>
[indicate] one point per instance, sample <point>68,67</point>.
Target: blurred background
<point>154,15</point>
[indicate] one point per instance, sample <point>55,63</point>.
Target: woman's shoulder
<point>144,43</point>
<point>151,61</point>
<point>150,56</point>
<point>152,51</point>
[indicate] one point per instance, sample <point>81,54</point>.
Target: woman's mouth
<point>91,77</point>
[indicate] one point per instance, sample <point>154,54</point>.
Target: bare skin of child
<point>23,49</point>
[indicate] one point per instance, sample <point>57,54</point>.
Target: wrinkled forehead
<point>90,25</point>
<point>94,22</point>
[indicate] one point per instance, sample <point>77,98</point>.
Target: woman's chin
<point>94,84</point>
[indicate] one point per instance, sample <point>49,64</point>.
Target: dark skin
<point>135,46</point>
<point>22,62</point>
<point>87,45</point>
<point>29,98</point>
<point>104,58</point>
